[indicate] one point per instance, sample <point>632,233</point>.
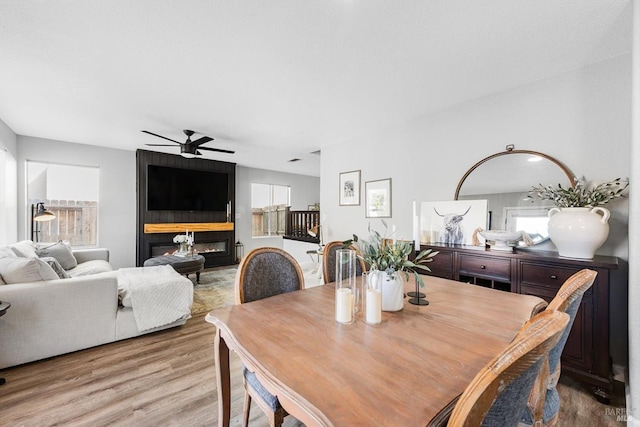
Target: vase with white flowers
<point>185,241</point>
<point>389,260</point>
<point>578,225</point>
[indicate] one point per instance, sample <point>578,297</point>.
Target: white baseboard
<point>619,373</point>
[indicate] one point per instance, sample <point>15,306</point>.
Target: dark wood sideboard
<point>586,355</point>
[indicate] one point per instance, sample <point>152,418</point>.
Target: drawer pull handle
<point>553,276</point>
<point>482,267</point>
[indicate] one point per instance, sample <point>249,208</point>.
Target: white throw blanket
<point>159,295</point>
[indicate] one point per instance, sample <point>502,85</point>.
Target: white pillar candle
<point>344,305</point>
<point>374,306</point>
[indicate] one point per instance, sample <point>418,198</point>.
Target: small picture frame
<point>378,198</point>
<point>350,188</point>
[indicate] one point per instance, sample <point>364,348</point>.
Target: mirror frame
<point>510,150</point>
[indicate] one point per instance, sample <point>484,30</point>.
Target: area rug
<point>216,286</point>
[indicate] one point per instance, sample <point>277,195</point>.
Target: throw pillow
<point>55,265</point>
<point>25,270</point>
<point>60,251</point>
<point>25,249</point>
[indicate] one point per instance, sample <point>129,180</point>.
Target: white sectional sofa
<point>50,315</point>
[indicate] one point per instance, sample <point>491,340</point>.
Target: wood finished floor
<point>168,379</point>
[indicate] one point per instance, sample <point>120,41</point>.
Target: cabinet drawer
<point>546,275</point>
<point>494,268</point>
<point>443,262</point>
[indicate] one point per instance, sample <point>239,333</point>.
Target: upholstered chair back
<point>265,272</point>
<point>498,394</point>
<point>544,402</point>
<point>329,261</point>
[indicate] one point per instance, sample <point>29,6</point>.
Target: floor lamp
<point>39,214</point>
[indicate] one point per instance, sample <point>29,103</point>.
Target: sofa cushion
<point>90,267</point>
<point>6,251</point>
<point>25,249</point>
<point>55,265</point>
<point>61,251</point>
<point>25,270</point>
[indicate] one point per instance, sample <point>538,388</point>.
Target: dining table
<point>408,370</point>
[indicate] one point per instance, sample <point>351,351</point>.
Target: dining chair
<point>329,261</point>
<point>544,400</point>
<point>498,394</point>
<point>262,273</point>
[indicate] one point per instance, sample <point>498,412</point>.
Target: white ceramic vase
<point>392,292</point>
<point>578,232</point>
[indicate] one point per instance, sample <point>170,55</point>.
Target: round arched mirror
<point>504,179</point>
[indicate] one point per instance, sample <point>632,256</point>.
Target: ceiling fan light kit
<point>189,148</point>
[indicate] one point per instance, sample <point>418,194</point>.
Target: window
<point>269,206</point>
<point>71,194</point>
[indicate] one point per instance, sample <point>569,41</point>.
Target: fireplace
<point>215,246</point>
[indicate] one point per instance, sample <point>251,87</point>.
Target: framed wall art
<point>350,188</point>
<point>378,198</point>
<point>452,221</point>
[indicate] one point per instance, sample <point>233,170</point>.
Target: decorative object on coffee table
<point>185,241</point>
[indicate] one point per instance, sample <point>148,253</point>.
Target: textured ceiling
<point>274,80</point>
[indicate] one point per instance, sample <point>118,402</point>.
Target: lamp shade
<point>42,214</point>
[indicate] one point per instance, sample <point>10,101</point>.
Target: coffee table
<point>182,264</point>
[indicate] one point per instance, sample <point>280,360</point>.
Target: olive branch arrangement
<point>389,256</point>
<point>581,195</point>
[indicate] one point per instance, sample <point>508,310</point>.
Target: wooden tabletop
<point>404,371</point>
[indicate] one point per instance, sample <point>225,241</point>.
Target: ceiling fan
<point>189,148</point>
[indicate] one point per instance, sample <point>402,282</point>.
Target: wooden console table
<point>586,354</point>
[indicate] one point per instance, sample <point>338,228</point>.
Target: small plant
<point>391,257</point>
<point>581,196</point>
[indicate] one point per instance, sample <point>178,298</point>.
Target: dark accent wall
<point>145,241</point>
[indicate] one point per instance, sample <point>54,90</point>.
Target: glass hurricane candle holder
<point>345,285</point>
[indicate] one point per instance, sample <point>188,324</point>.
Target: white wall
<point>305,190</point>
<point>8,192</point>
<point>633,400</point>
<point>581,118</point>
<point>117,211</point>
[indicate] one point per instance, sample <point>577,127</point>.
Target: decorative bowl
<point>501,239</point>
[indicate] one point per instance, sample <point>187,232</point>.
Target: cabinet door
<point>577,351</point>
<point>442,264</point>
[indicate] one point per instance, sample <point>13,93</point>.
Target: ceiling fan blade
<point>160,136</point>
<point>201,141</point>
<point>161,145</point>
<point>220,150</point>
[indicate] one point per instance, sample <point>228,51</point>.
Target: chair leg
<point>276,418</point>
<point>247,407</point>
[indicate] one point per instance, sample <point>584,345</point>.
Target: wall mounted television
<point>175,189</point>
